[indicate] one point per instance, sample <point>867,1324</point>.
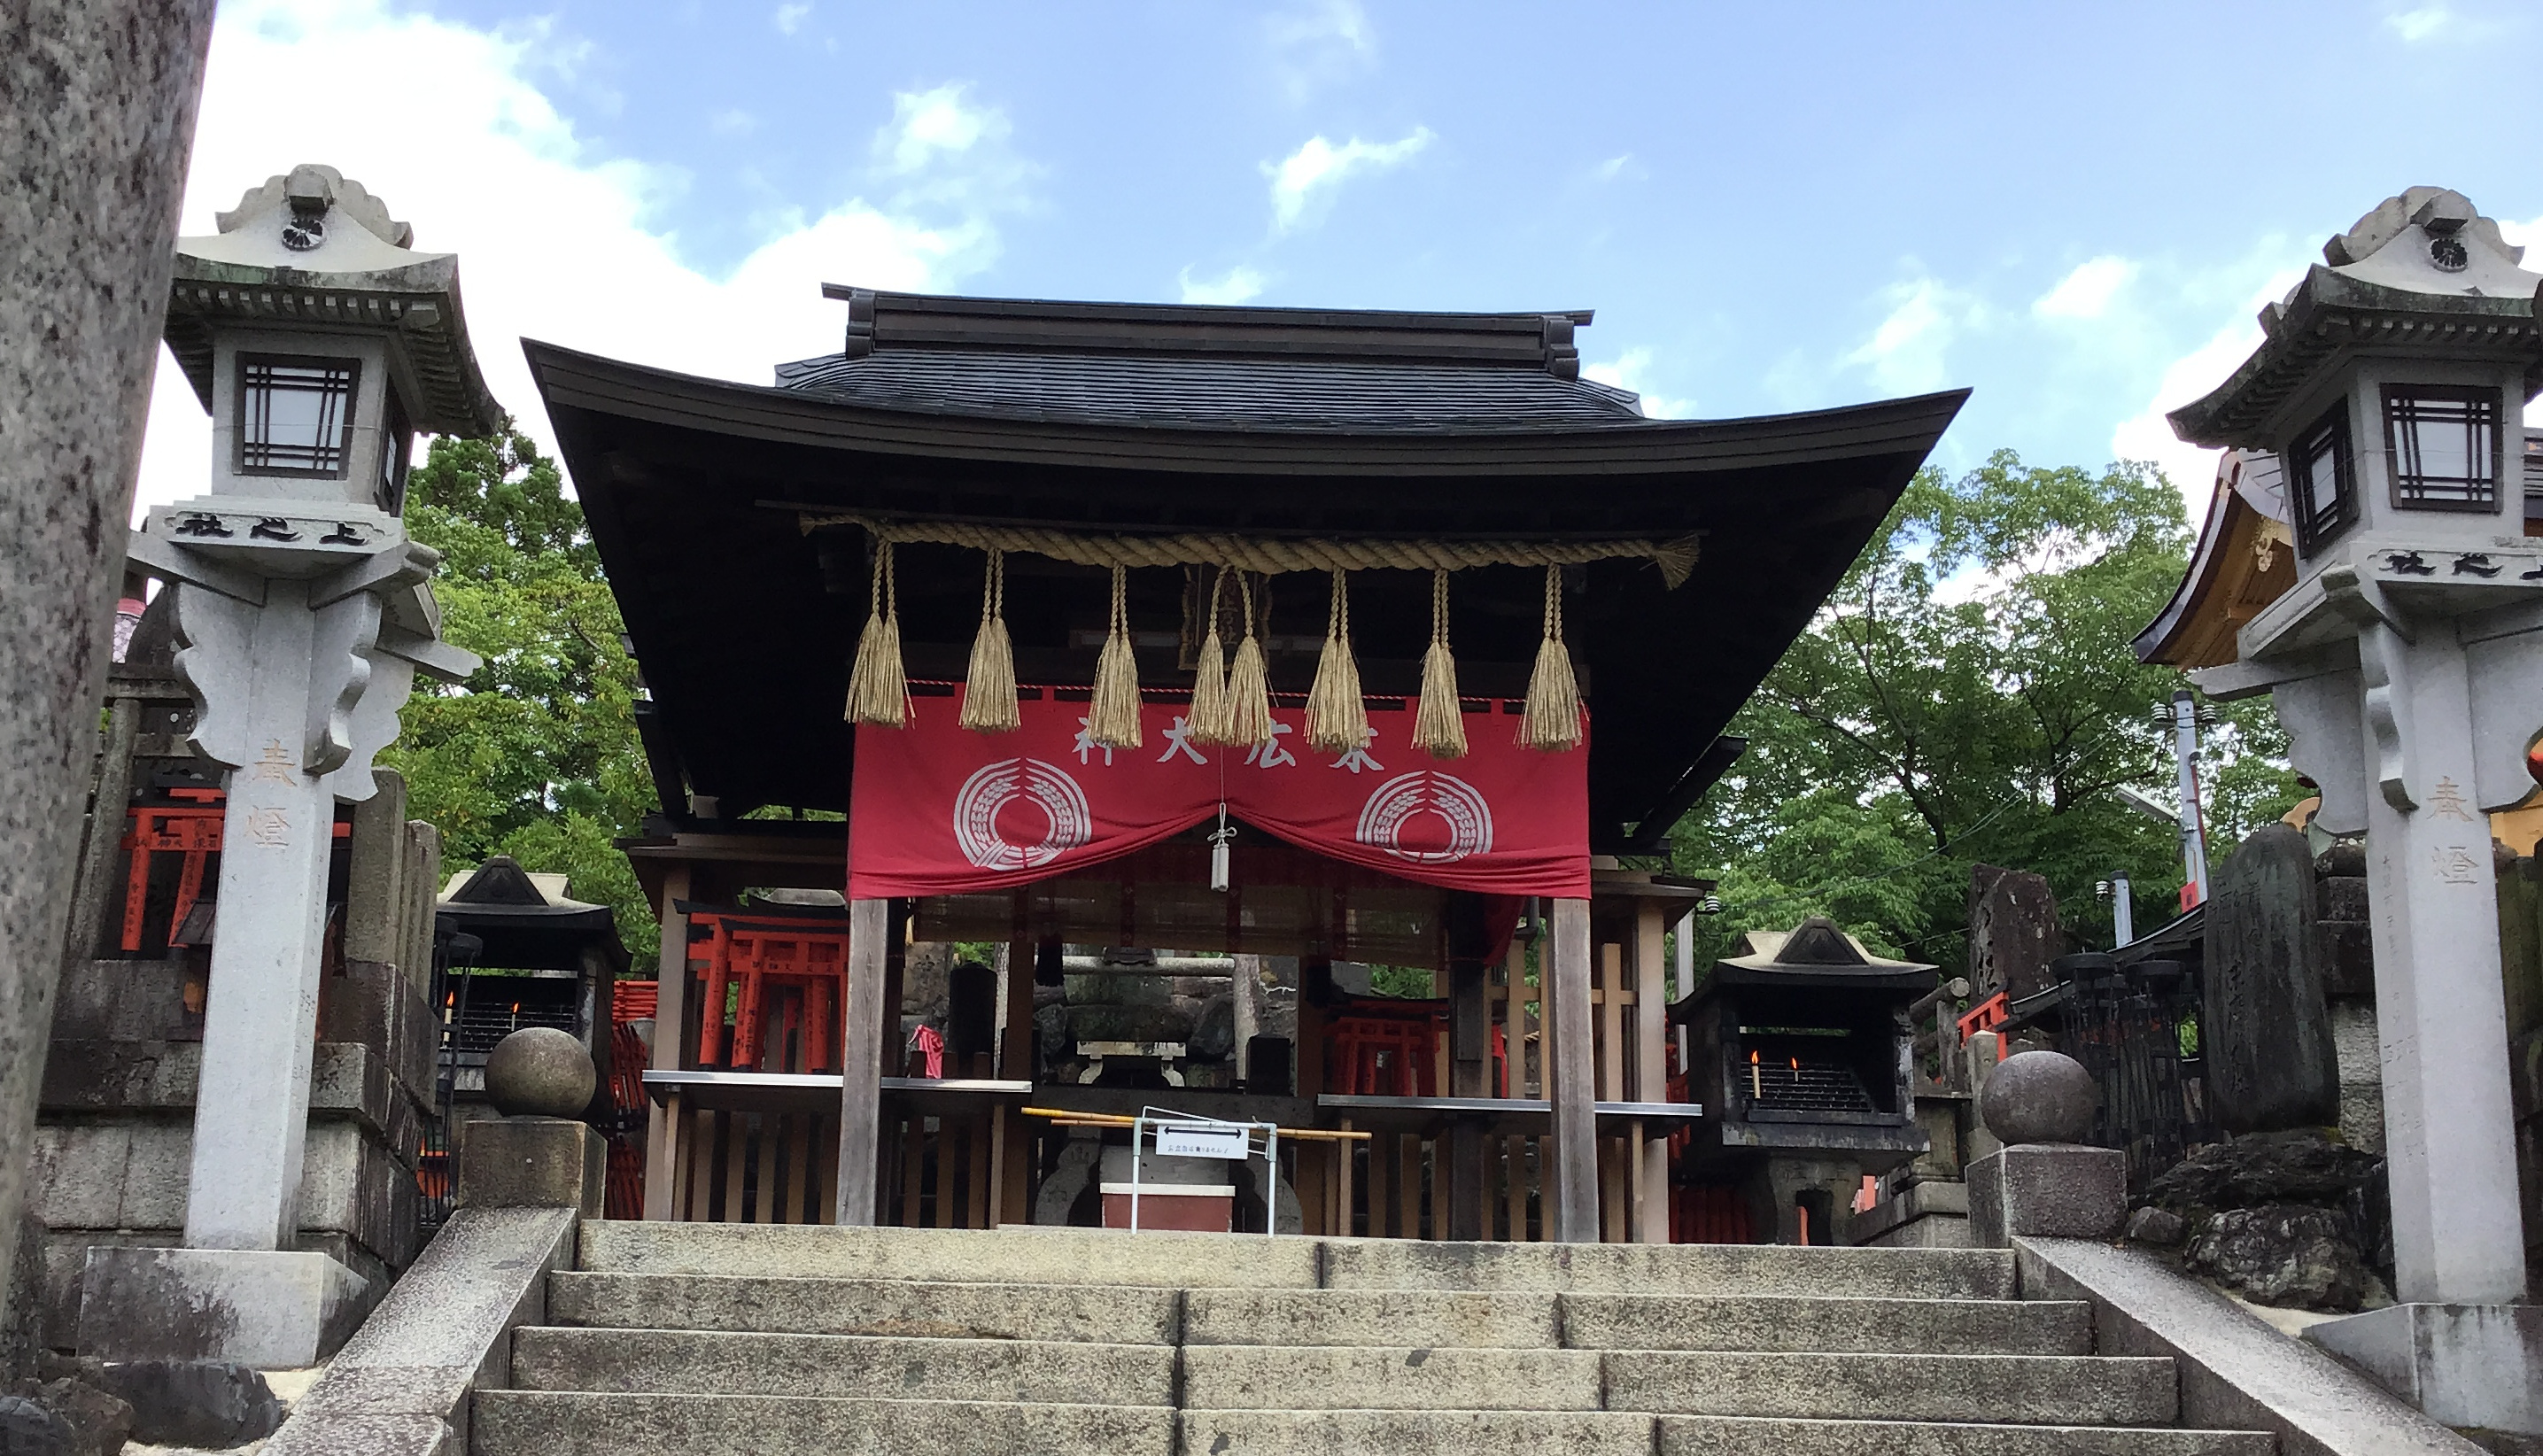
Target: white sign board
<point>1203,1142</point>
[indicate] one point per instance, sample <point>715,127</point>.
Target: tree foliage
<point>1968,695</point>
<point>535,756</point>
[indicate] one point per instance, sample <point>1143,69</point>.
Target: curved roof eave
<point>572,379</point>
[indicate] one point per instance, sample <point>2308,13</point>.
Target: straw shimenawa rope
<point>1439,724</point>
<point>989,695</point>
<point>1552,720</point>
<point>1269,556</point>
<point>1209,677</point>
<point>1337,718</point>
<point>877,688</point>
<point>1245,713</point>
<point>1113,717</point>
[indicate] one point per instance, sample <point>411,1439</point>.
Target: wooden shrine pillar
<point>861,1051</point>
<point>1470,1066</point>
<point>1011,1132</point>
<point>1649,1075</point>
<point>1570,1186</point>
<point>665,1143</point>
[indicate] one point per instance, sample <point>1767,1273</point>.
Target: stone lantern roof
<point>312,249</point>
<point>2423,271</point>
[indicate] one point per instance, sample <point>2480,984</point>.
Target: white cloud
<point>1904,354</point>
<point>572,249</point>
<point>1613,168</point>
<point>1632,370</point>
<point>1319,42</point>
<point>2414,25</point>
<point>1306,177</point>
<point>2086,292</point>
<point>732,122</point>
<point>2147,434</point>
<point>1240,284</point>
<point>790,18</point>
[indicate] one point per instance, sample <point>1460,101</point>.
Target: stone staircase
<point>703,1340</point>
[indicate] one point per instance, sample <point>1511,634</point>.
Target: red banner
<point>937,808</point>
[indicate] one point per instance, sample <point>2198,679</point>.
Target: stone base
<point>271,1310</point>
<point>2464,1364</point>
<point>1926,1215</point>
<point>532,1163</point>
<point>2046,1190</point>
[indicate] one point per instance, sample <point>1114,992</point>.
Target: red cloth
<point>938,810</point>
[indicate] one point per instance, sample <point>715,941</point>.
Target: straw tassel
<point>1439,727</point>
<point>1337,718</point>
<point>1209,679</point>
<point>1552,721</point>
<point>990,696</point>
<point>1245,716</point>
<point>1112,719</point>
<point>877,687</point>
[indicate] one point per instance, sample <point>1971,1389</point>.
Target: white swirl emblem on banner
<point>984,794</point>
<point>1399,799</point>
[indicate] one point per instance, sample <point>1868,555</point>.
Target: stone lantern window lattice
<point>2323,480</point>
<point>2444,448</point>
<point>295,415</point>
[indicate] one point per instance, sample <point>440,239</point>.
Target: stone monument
<point>320,341</point>
<point>2407,664</point>
<point>2266,1024</point>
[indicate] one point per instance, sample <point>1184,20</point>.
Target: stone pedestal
<point>532,1163</point>
<point>269,1308</point>
<point>2464,1364</point>
<point>2046,1190</point>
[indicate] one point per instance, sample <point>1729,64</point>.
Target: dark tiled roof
<point>1221,393</point>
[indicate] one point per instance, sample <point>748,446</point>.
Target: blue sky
<point>2073,210</point>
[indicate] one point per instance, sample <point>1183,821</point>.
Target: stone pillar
<point>261,1021</point>
<point>97,118</point>
<point>2443,1014</point>
<point>1571,1186</point>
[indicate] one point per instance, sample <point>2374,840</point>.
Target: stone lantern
<point>321,343</point>
<point>2407,664</point>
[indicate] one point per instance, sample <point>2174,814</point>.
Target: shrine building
<point>1069,714</point>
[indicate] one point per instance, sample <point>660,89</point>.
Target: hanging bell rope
<point>1209,678</point>
<point>877,687</point>
<point>1113,717</point>
<point>1439,726</point>
<point>1245,713</point>
<point>1552,720</point>
<point>989,694</point>
<point>1268,556</point>
<point>1337,718</point>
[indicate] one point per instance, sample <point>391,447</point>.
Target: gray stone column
<point>97,118</point>
<point>2441,1009</point>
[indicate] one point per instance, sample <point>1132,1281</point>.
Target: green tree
<point>1968,695</point>
<point>535,756</point>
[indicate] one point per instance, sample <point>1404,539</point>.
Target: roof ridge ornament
<point>311,190</point>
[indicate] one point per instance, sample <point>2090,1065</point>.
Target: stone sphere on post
<point>540,1072</point>
<point>2032,1096</point>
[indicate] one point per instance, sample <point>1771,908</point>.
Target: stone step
<point>1107,1315</point>
<point>2024,1389</point>
<point>1072,1256</point>
<point>1732,1435</point>
<point>1376,1317</point>
<point>526,1422</point>
<point>1417,1434</point>
<point>1023,1255</point>
<point>840,1366</point>
<point>1968,1326</point>
<point>1680,1269</point>
<point>1265,1377</point>
<point>2027,1390</point>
